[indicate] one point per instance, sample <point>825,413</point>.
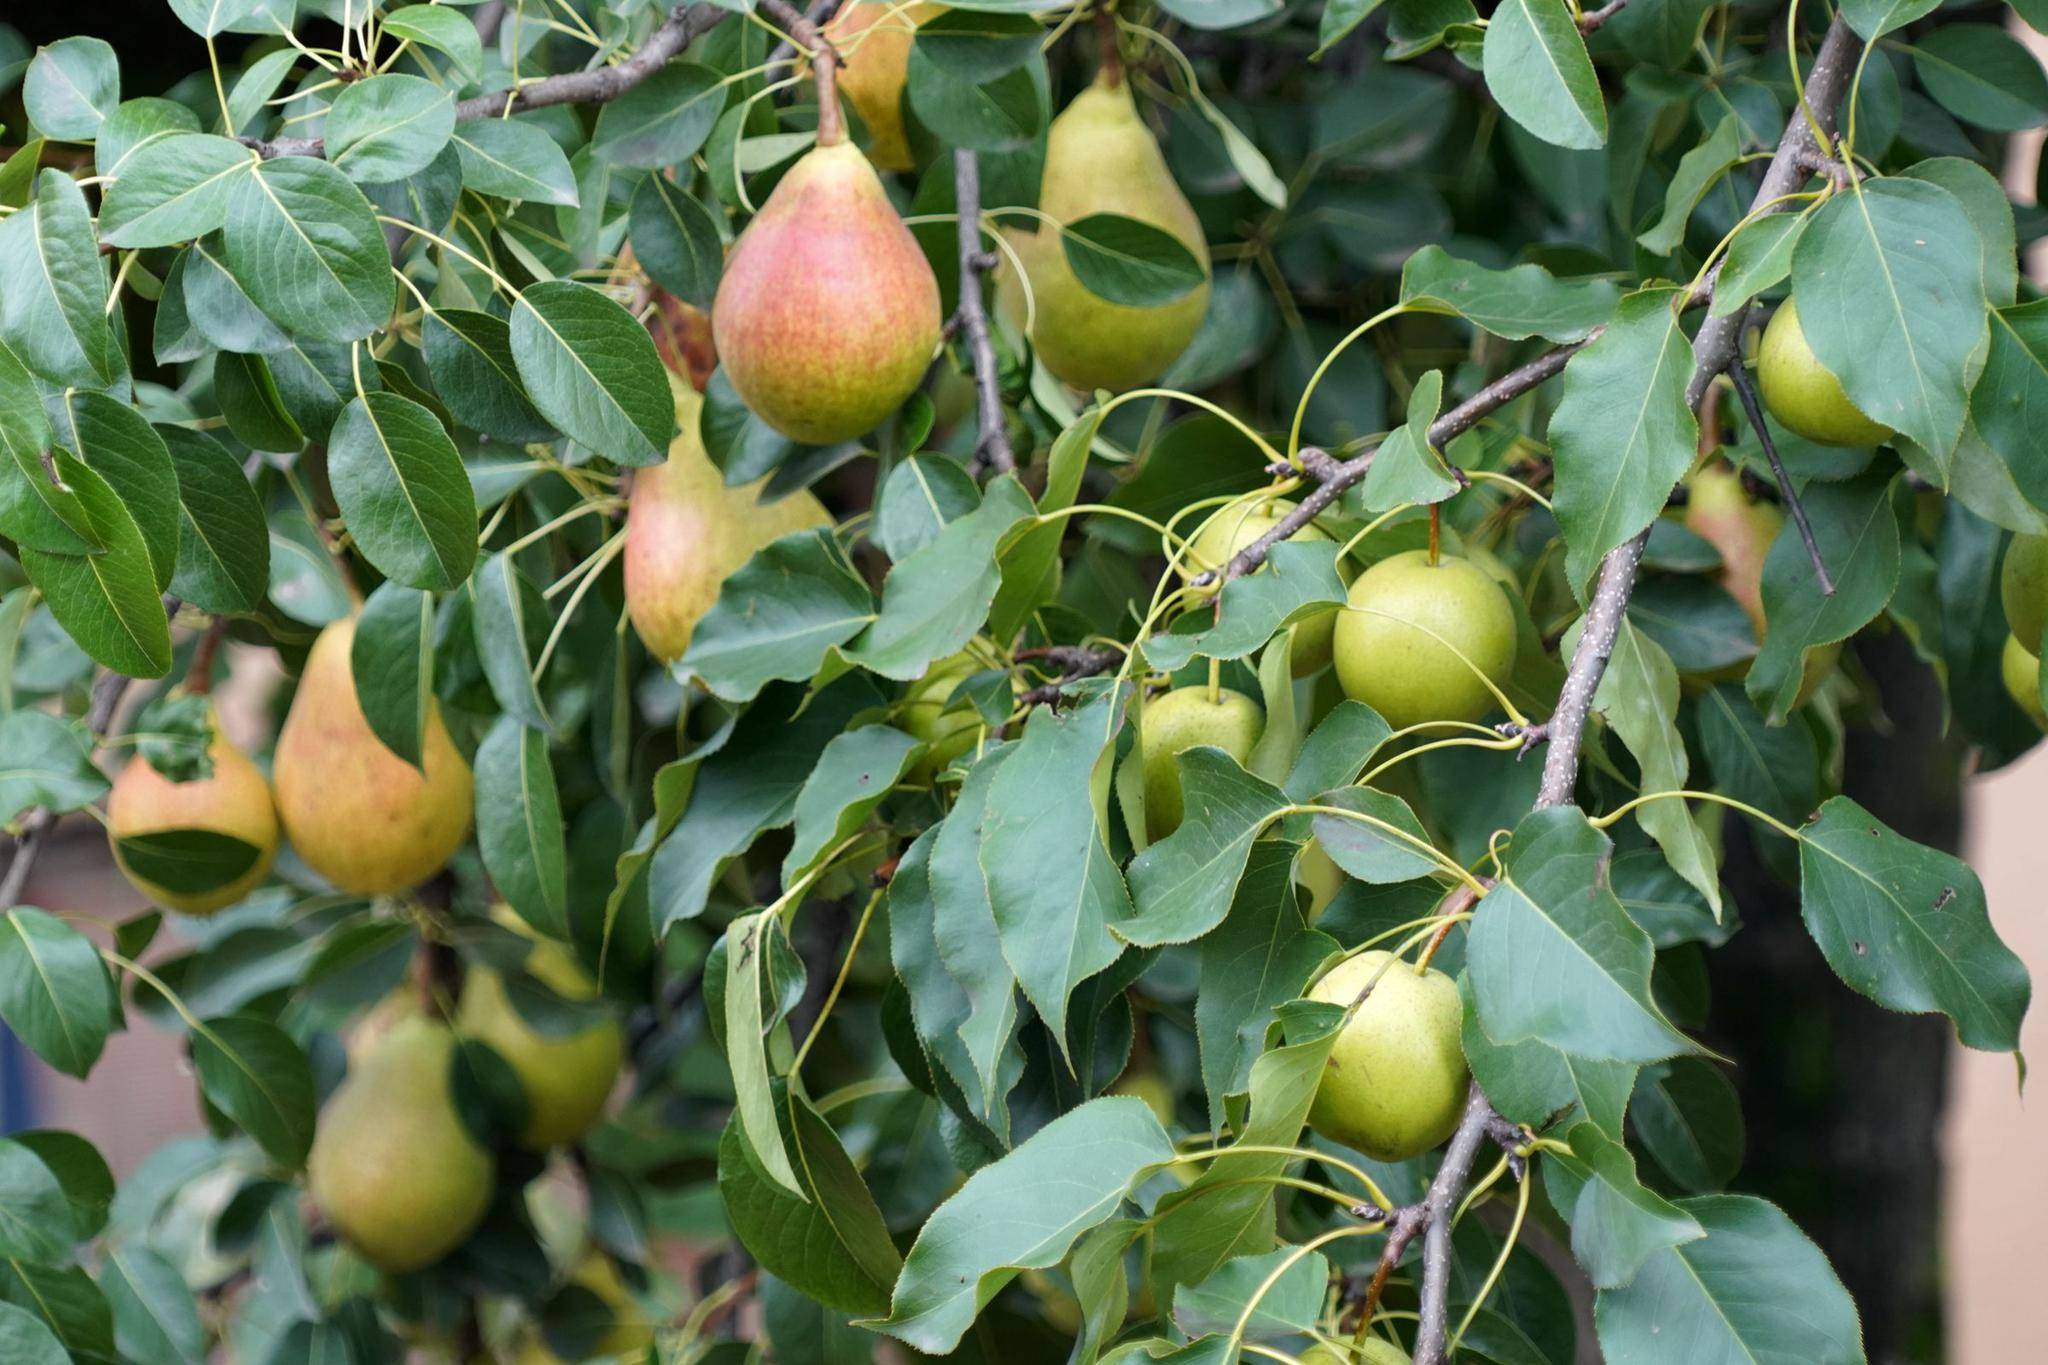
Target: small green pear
<point>1399,641</point>
<point>566,1079</point>
<point>1183,719</point>
<point>393,1167</point>
<point>1395,1083</point>
<point>827,314</point>
<point>1801,392</point>
<point>687,532</point>
<point>2022,674</point>
<point>1151,1087</point>
<point>1375,1351</point>
<point>1742,529</point>
<point>234,801</point>
<point>358,814</point>
<point>948,728</point>
<point>2023,587</point>
<point>1319,875</point>
<point>1230,529</point>
<point>1101,158</point>
<point>874,39</point>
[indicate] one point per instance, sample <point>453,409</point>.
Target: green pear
<point>1319,875</point>
<point>1375,1351</point>
<point>566,1079</point>
<point>1151,1087</point>
<point>393,1167</point>
<point>687,532</point>
<point>1398,642</point>
<point>234,801</point>
<point>948,728</point>
<point>1101,158</point>
<point>358,814</point>
<point>1230,529</point>
<point>630,1332</point>
<point>874,39</point>
<point>1183,719</point>
<point>827,315</point>
<point>1803,394</point>
<point>1719,510</point>
<point>1395,1083</point>
<point>2022,674</point>
<point>2023,587</point>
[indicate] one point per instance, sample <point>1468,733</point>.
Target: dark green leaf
<point>593,371</point>
<point>1130,262</point>
<point>400,484</point>
<point>663,120</point>
<point>1617,1224</point>
<point>391,660</point>
<point>305,244</point>
<point>469,355</point>
<point>519,825</point>
<point>48,762</point>
<point>855,771</point>
<point>1520,302</point>
<point>778,617</point>
<point>188,861</point>
<point>388,127</point>
<point>54,993</point>
<point>53,290</point>
<point>1537,69</point>
<point>1182,886</point>
<point>172,189</point>
<point>1858,535</point>
<point>511,159</point>
<point>70,87</point>
<point>253,1072</point>
<point>676,240</point>
<point>107,602</point>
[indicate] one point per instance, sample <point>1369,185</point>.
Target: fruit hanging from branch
<point>1419,641</point>
<point>1395,1083</point>
<point>233,801</point>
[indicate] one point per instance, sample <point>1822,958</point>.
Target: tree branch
<point>824,66</point>
<point>1745,388</point>
<point>992,446</point>
<point>1074,662</point>
<point>1592,20</point>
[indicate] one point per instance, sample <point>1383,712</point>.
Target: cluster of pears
<point>394,1167</point>
<point>2023,591</point>
<point>1803,394</point>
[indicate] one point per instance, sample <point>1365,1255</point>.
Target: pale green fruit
<point>1319,874</point>
<point>948,730</point>
<point>1398,644</point>
<point>1803,395</point>
<point>1376,1351</point>
<point>2022,674</point>
<point>2023,588</point>
<point>1151,1087</point>
<point>567,1079</point>
<point>1185,719</point>
<point>1395,1083</point>
<point>1237,525</point>
<point>393,1167</point>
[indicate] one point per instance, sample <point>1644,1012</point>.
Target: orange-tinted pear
<point>358,814</point>
<point>874,41</point>
<point>1720,511</point>
<point>234,801</point>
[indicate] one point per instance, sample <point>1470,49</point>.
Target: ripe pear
<point>1101,158</point>
<point>828,313</point>
<point>1803,394</point>
<point>1395,1083</point>
<point>392,1166</point>
<point>566,1079</point>
<point>2022,674</point>
<point>948,731</point>
<point>1183,719</point>
<point>1399,641</point>
<point>1230,529</point>
<point>235,801</point>
<point>2023,587</point>
<point>687,532</point>
<point>875,65</point>
<point>358,814</point>
<point>1720,511</point>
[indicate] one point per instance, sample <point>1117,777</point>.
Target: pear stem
<point>1112,71</point>
<point>824,66</point>
<point>199,676</point>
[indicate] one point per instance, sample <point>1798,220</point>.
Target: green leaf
<point>1693,620</point>
<point>1023,1212</point>
<point>1298,582</point>
<point>1533,1083</point>
<point>220,309</point>
<point>663,120</point>
<point>1340,18</point>
<point>1759,256</point>
<point>25,1338</point>
<point>1031,567</point>
<point>400,484</point>
<point>1907,350</point>
<point>156,1316</point>
<point>34,510</point>
<point>855,771</point>
<point>1906,925</point>
<point>1182,886</point>
<point>507,618</point>
<point>519,825</point>
<point>223,560</point>
<point>1623,433</point>
<point>70,87</point>
<point>1617,1224</point>
<point>172,189</point>
<point>248,397</point>
<point>1520,302</point>
<point>134,125</point>
<point>1983,198</point>
<point>188,861</point>
<point>510,159</point>
<point>53,290</point>
<point>1245,1289</point>
<point>252,1071</point>
<point>1872,19</point>
<point>305,244</point>
<point>1698,171</point>
<point>778,617</point>
<point>35,1218</point>
<point>208,18</point>
<point>1372,853</point>
<point>1408,468</point>
<point>1537,69</point>
<point>969,108</point>
<point>921,497</point>
<point>1858,536</point>
<point>593,371</point>
<point>82,1173</point>
<point>469,355</point>
<point>1130,262</point>
<point>1554,906</point>
<point>107,601</point>
<point>124,449</point>
<point>1982,75</point>
<point>676,240</point>
<point>750,941</point>
<point>54,994</point>
<point>441,28</point>
<point>392,662</point>
<point>1753,1289</point>
<point>1689,1121</point>
<point>388,127</point>
<point>1775,768</point>
<point>48,763</point>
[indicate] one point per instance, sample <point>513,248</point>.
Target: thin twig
<point>1591,20</point>
<point>1745,388</point>
<point>820,13</point>
<point>992,446</point>
<point>824,65</point>
<point>1074,662</point>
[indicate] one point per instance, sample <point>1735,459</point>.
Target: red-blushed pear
<point>1804,394</point>
<point>874,39</point>
<point>1395,1083</point>
<point>1183,719</point>
<point>687,531</point>
<point>234,801</point>
<point>1720,511</point>
<point>1101,158</point>
<point>358,814</point>
<point>828,313</point>
<point>2021,672</point>
<point>1236,525</point>
<point>1420,641</point>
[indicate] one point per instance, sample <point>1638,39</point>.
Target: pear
<point>687,532</point>
<point>2021,672</point>
<point>874,39</point>
<point>827,315</point>
<point>234,801</point>
<point>1235,526</point>
<point>1420,641</point>
<point>566,1079</point>
<point>1719,510</point>
<point>1803,394</point>
<point>629,1333</point>
<point>1183,719</point>
<point>1101,158</point>
<point>948,727</point>
<point>2023,587</point>
<point>1394,1086</point>
<point>392,1166</point>
<point>358,814</point>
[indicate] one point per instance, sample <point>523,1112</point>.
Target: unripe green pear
<point>1375,1351</point>
<point>1319,875</point>
<point>1801,392</point>
<point>874,40</point>
<point>1151,1087</point>
<point>2023,588</point>
<point>687,532</point>
<point>948,728</point>
<point>393,1167</point>
<point>234,801</point>
<point>1230,529</point>
<point>1741,529</point>
<point>828,313</point>
<point>630,1331</point>
<point>358,814</point>
<point>1395,1083</point>
<point>1101,158</point>
<point>567,1079</point>
<point>1183,719</point>
<point>1398,644</point>
<point>2022,674</point>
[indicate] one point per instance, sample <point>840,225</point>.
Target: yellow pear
<point>1420,641</point>
<point>1183,719</point>
<point>1101,158</point>
<point>629,1333</point>
<point>874,39</point>
<point>1233,527</point>
<point>2021,672</point>
<point>566,1079</point>
<point>358,814</point>
<point>1803,394</point>
<point>392,1166</point>
<point>1395,1083</point>
<point>235,801</point>
<point>687,532</point>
